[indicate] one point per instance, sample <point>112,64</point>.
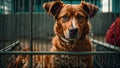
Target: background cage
<point>25,23</point>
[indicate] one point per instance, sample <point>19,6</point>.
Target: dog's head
<point>71,20</point>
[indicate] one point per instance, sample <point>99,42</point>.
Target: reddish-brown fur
<point>58,9</point>
<point>22,61</point>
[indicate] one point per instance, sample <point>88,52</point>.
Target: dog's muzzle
<point>73,33</point>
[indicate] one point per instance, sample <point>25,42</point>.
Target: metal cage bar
<point>60,53</point>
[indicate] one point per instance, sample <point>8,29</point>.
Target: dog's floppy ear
<point>90,9</point>
<point>53,7</point>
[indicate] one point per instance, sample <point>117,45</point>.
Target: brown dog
<point>22,61</point>
<point>71,29</point>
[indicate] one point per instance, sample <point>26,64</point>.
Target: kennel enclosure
<point>25,23</point>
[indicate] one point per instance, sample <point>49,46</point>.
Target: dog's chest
<point>69,61</point>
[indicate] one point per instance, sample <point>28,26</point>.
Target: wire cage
<point>25,23</point>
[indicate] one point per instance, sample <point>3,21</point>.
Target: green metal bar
<point>60,53</point>
<point>31,31</point>
<point>113,47</point>
<point>9,47</point>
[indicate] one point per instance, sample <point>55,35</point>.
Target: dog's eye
<point>79,17</point>
<point>65,18</point>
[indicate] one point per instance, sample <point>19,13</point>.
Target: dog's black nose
<point>73,33</point>
<point>73,30</point>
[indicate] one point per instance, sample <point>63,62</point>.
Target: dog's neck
<point>64,39</point>
<point>63,44</point>
<point>71,44</point>
<point>67,41</point>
